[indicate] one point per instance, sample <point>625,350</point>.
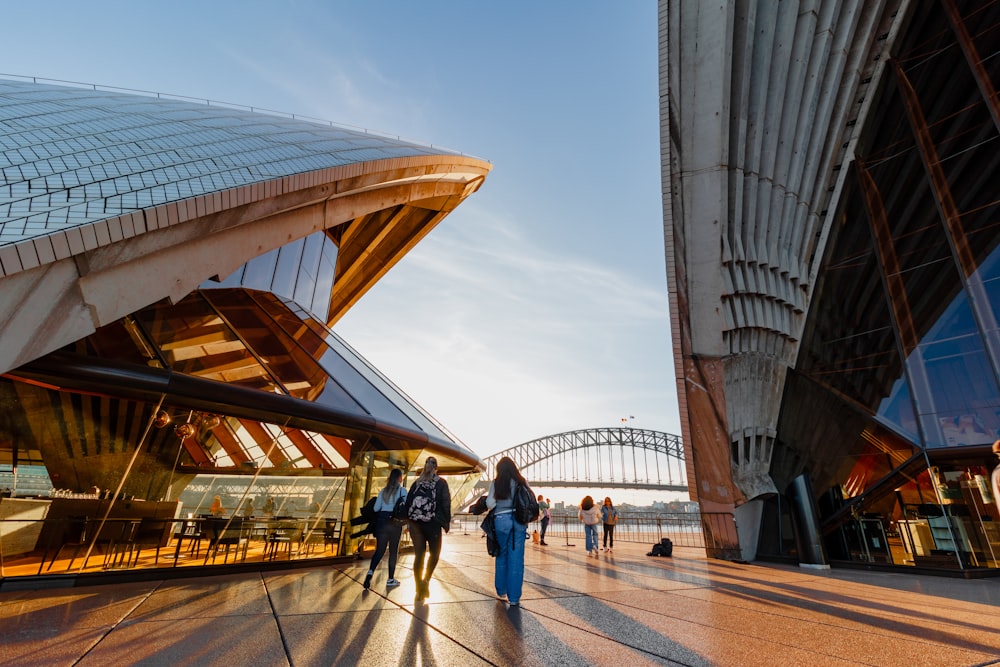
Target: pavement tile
<point>91,607</point>
<point>318,591</point>
<point>784,626</point>
<point>386,636</point>
<point>205,597</point>
<point>47,645</point>
<point>227,640</point>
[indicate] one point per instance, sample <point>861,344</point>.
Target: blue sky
<point>540,305</point>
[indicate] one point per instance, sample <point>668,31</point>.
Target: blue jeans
<point>509,576</point>
<point>591,533</point>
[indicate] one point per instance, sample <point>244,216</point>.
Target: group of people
<point>591,515</point>
<point>428,513</point>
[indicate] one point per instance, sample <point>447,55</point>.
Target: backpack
<point>525,505</point>
<point>664,548</point>
<point>423,502</point>
<point>399,513</point>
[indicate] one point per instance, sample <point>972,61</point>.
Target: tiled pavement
<point>621,609</point>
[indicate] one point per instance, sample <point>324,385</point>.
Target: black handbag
<point>399,510</point>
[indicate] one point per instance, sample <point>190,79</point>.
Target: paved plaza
<point>621,609</point>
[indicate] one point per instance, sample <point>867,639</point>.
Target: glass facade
<point>229,425</point>
<point>895,398</point>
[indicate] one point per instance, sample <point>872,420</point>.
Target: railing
<point>684,529</point>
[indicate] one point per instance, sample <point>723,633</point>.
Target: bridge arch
<point>613,457</point>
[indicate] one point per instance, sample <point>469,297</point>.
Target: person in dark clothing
<point>543,509</point>
<point>428,508</point>
<point>387,531</point>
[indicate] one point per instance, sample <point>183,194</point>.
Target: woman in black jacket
<point>428,510</point>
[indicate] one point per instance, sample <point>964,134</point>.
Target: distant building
<point>830,181</point>
<point>170,273</point>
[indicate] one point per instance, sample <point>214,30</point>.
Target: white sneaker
<point>392,583</point>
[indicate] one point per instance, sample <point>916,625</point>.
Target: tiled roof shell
<point>72,156</point>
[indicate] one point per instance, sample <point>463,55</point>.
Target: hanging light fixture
<point>184,431</point>
<point>161,419</point>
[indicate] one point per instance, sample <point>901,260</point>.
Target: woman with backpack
<point>508,577</point>
<point>428,511</point>
<point>590,515</point>
<point>387,530</point>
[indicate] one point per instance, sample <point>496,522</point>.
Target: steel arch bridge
<point>623,458</point>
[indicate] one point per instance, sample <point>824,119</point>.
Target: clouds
<point>506,341</point>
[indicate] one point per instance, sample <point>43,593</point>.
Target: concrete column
<point>807,536</point>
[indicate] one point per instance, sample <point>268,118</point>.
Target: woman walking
<point>387,531</point>
<point>508,578</point>
<point>609,516</point>
<point>590,515</point>
<point>428,511</point>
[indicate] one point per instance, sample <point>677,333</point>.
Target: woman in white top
<point>590,515</point>
<point>387,532</point>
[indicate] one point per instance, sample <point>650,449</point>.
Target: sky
<point>540,305</point>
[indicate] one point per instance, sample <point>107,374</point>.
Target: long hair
<point>430,470</point>
<point>587,503</point>
<point>392,485</point>
<point>506,472</point>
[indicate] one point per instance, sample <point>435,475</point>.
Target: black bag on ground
<point>525,505</point>
<point>664,548</point>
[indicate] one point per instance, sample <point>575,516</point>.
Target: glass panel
<point>324,282</point>
<point>849,343</point>
<point>260,271</point>
<point>292,365</point>
<point>287,269</point>
<point>312,252</point>
<point>962,400</point>
<point>349,377</point>
<point>195,340</point>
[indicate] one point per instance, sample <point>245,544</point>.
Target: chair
<point>315,535</point>
<point>86,533</point>
<point>236,534</point>
<point>285,533</point>
<point>331,534</point>
<point>150,532</point>
<point>71,532</point>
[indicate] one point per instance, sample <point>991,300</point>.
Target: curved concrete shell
<point>829,186</point>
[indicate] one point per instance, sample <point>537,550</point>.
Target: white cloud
<point>504,342</point>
